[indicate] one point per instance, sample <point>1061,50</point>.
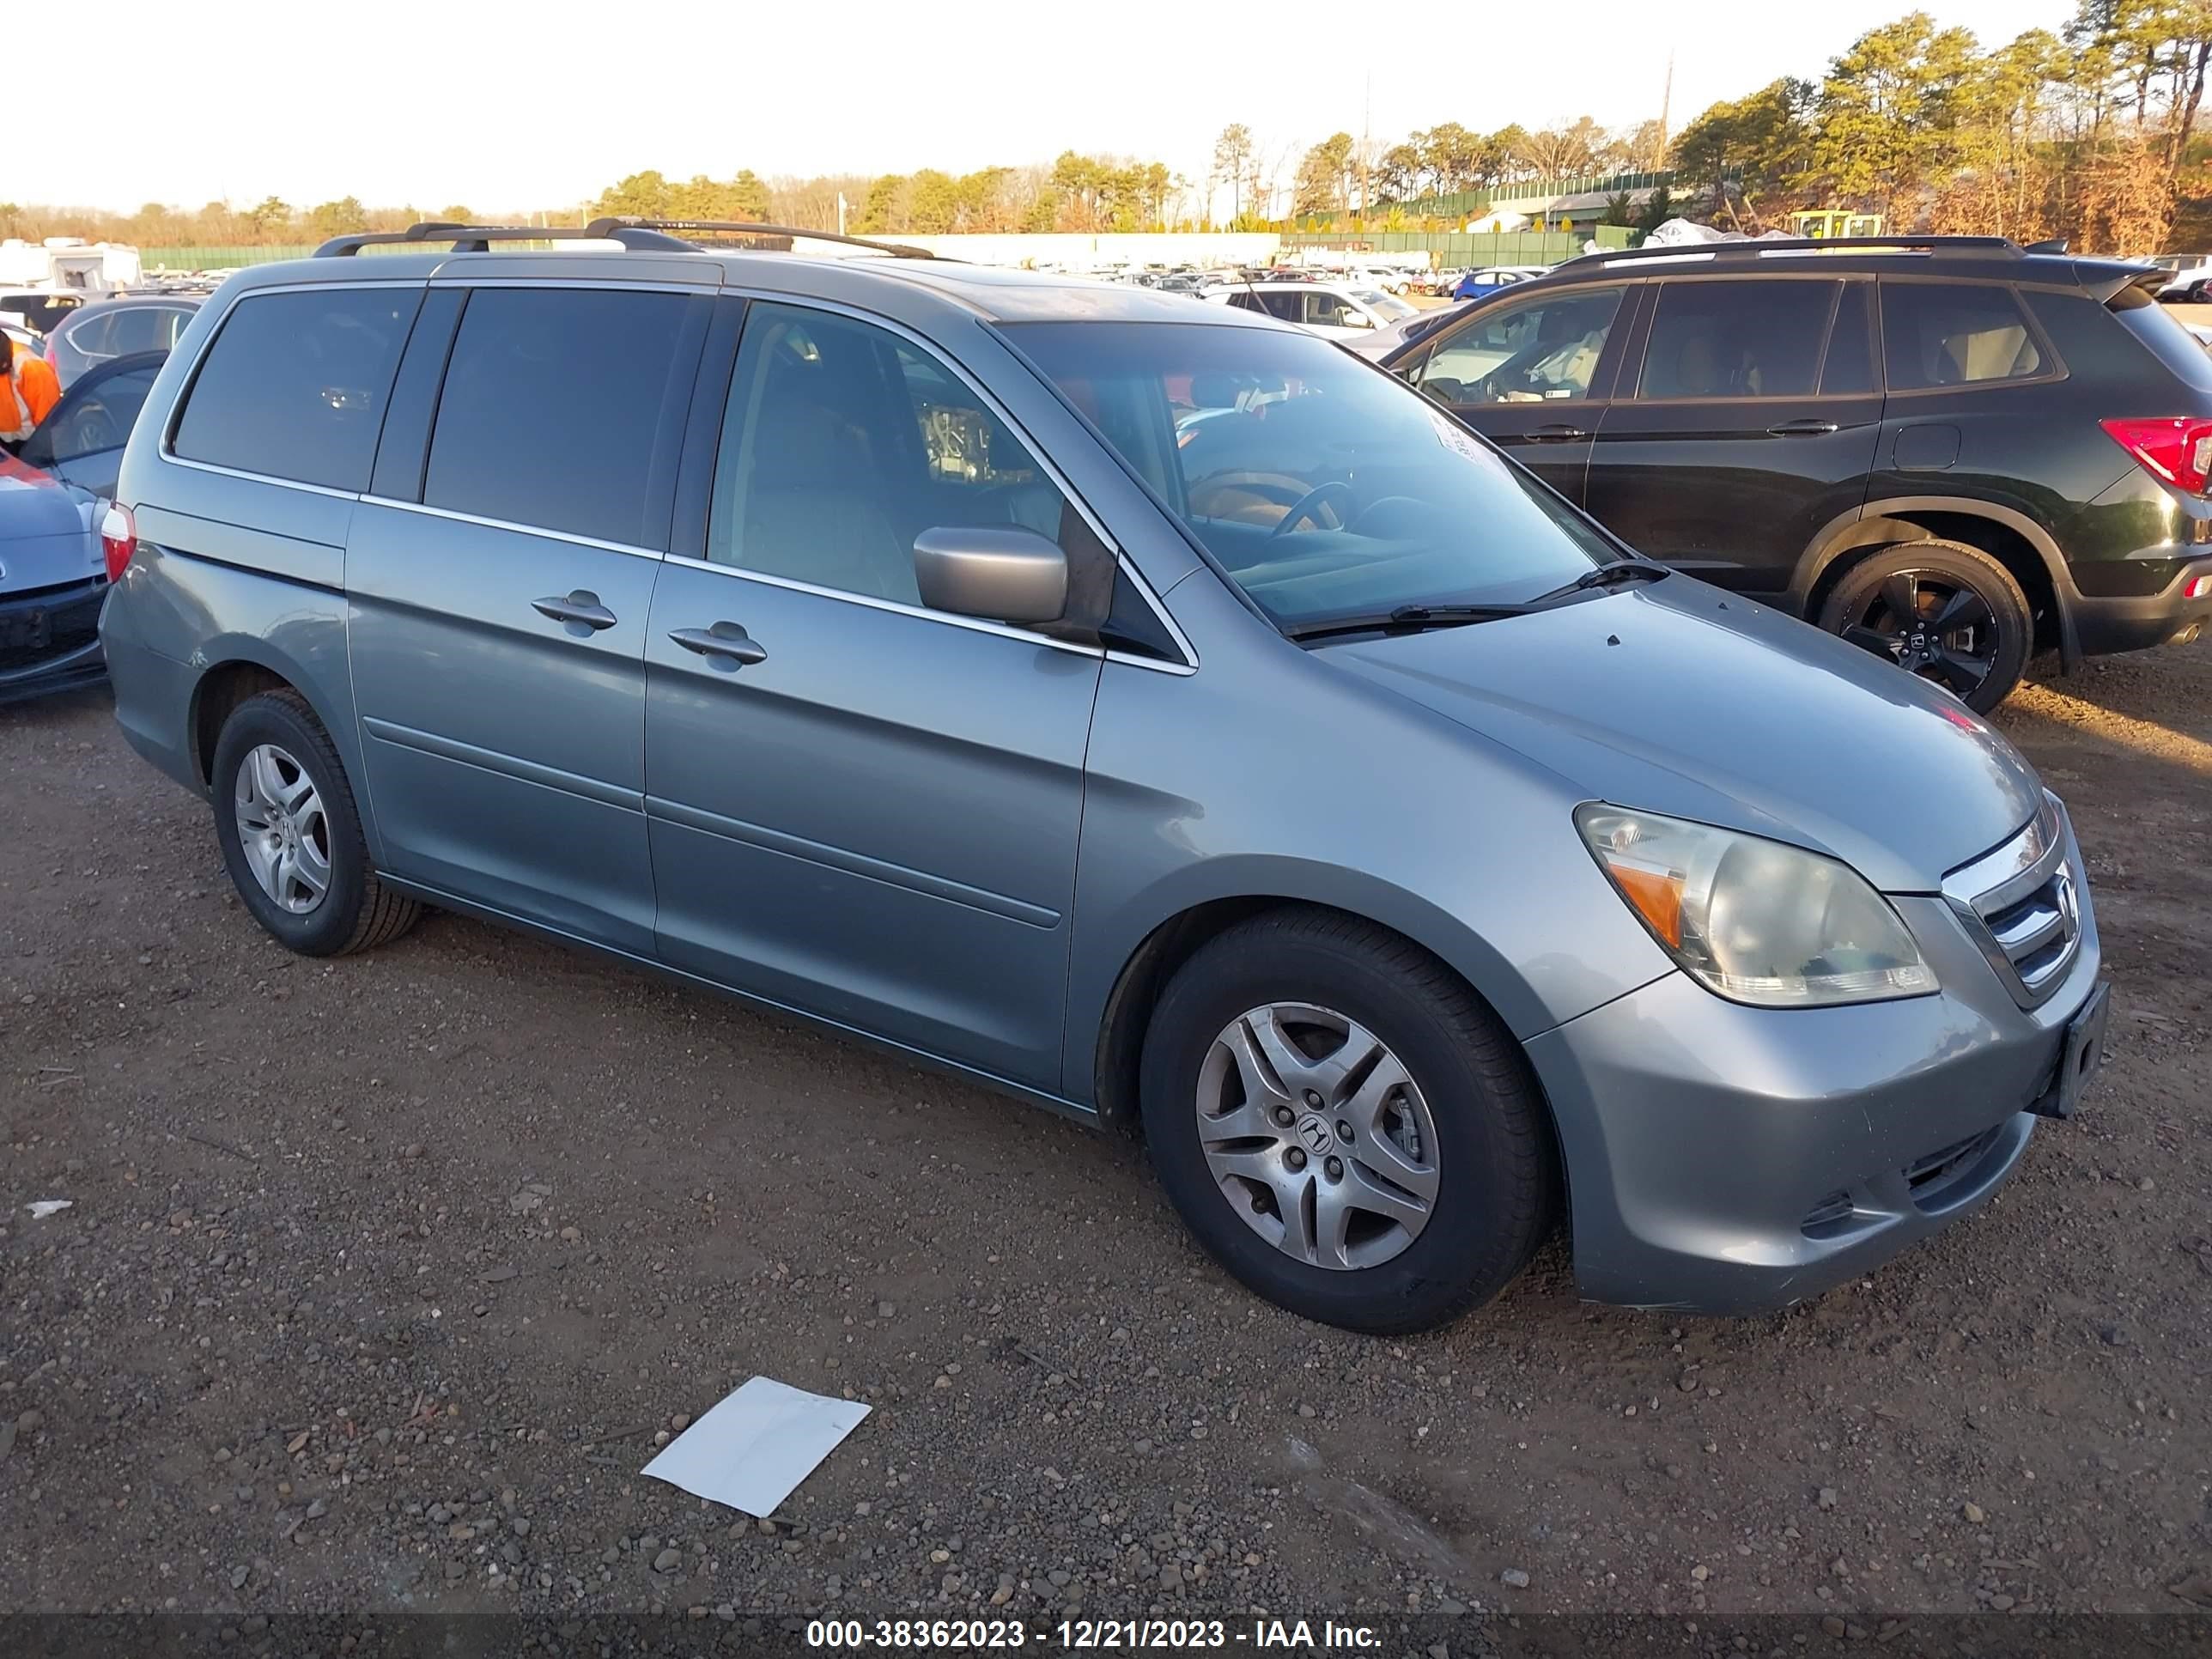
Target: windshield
<point>1382,304</point>
<point>1324,488</point>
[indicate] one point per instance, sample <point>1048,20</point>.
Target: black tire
<point>356,910</point>
<point>1497,1179</point>
<point>1994,626</point>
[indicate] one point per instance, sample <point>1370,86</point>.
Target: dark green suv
<point>1953,450</point>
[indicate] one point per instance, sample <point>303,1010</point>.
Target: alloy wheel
<point>1317,1135</point>
<point>282,829</point>
<point>1930,624</point>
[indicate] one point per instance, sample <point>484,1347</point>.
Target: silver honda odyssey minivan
<point>1149,709</point>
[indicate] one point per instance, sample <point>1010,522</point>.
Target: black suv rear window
<point>294,385</point>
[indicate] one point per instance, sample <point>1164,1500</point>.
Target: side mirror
<point>999,573</point>
<point>1355,319</point>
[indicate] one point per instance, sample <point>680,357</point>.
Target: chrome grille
<point>2022,906</point>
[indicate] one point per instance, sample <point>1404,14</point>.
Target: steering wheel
<point>1237,494</point>
<point>1380,507</point>
<point>1310,503</point>
<point>94,429</point>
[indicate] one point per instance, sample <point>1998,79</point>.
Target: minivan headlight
<point>1751,919</point>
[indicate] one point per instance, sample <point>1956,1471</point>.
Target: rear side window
<point>143,328</point>
<point>2164,336</point>
<point>1737,339</point>
<point>296,383</point>
<point>563,408</point>
<point>1954,334</point>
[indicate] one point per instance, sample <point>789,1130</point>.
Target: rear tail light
<point>2197,588</point>
<point>2177,450</point>
<point>119,538</point>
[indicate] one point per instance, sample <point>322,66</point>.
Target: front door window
<point>1543,350</point>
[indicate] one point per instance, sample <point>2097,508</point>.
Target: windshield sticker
<point>1454,438</point>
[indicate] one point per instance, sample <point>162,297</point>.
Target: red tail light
<point>119,538</point>
<point>2179,449</point>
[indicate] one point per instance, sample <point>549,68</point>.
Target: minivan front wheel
<point>1343,1125</point>
<point>1945,612</point>
<point>291,835</point>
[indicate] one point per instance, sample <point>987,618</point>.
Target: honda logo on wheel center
<point>1313,1130</point>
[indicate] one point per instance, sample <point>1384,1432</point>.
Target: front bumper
<point>50,641</point>
<point>1733,1160</point>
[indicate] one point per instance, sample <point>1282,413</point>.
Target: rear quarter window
<point>2164,336</point>
<point>296,383</point>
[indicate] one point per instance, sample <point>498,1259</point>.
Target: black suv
<point>1955,451</point>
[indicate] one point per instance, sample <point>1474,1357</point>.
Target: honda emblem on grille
<point>2070,906</point>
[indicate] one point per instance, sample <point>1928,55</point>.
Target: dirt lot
<point>382,1277</point>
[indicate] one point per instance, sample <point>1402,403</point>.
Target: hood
<point>1676,697</point>
<point>48,532</point>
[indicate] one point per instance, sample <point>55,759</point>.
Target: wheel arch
<point>2024,547</point>
<point>239,668</point>
<point>1178,929</point>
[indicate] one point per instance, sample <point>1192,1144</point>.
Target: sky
<point>544,105</point>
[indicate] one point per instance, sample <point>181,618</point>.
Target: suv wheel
<point>1945,612</point>
<point>291,836</point>
<point>1344,1126</point>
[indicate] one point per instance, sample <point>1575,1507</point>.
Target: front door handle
<point>1802,429</point>
<point>725,639</point>
<point>1555,434</point>
<point>581,609</point>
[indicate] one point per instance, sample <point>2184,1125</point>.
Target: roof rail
<point>478,239</point>
<point>615,226</point>
<point>639,235</point>
<point>1999,246</point>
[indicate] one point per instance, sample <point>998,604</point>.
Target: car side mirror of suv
<point>999,573</point>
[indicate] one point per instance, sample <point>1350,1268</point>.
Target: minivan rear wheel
<point>291,834</point>
<point>1343,1125</point>
<point>1945,612</point>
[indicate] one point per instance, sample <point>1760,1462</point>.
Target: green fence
<point>1466,202</point>
<point>217,258</point>
<point>1456,248</point>
<point>232,259</point>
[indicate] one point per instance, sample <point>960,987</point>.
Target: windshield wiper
<point>1611,575</point>
<point>1411,618</point>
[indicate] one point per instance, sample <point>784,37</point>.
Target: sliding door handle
<point>725,640</point>
<point>1802,429</point>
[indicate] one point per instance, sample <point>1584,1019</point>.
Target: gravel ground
<point>383,1277</point>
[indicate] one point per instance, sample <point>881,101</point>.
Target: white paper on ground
<point>755,1446</point>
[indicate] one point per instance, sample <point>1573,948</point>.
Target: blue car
<point>1491,278</point>
<point>54,490</point>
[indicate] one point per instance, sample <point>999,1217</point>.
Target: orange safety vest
<point>31,391</point>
